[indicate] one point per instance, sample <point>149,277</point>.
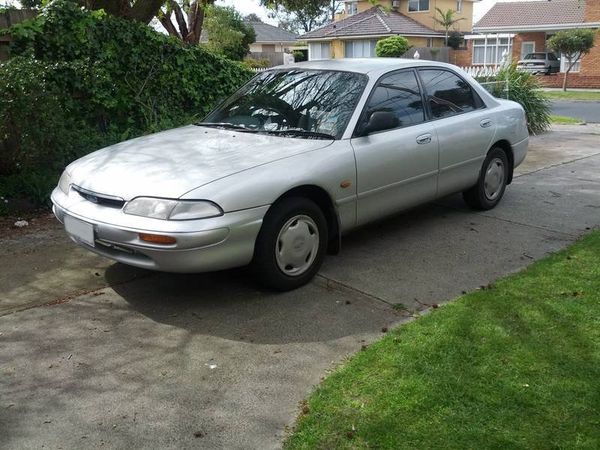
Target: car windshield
<point>536,56</point>
<point>295,102</point>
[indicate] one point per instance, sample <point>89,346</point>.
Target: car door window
<point>447,93</point>
<point>398,93</point>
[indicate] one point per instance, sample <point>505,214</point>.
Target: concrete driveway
<point>96,354</point>
<point>583,110</point>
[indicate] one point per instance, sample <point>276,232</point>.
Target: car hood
<point>173,162</point>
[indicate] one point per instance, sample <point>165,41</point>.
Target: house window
<point>360,49</point>
<point>527,48</point>
<point>319,50</point>
<point>564,64</point>
<point>490,51</point>
<point>458,5</point>
<point>429,42</point>
<point>418,5</point>
<point>351,8</point>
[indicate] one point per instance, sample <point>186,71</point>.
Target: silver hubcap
<point>494,179</point>
<point>297,245</point>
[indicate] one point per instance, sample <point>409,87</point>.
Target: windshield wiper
<point>300,133</point>
<point>225,125</point>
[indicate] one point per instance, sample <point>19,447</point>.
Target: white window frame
<point>316,56</point>
<point>351,7</point>
<point>491,43</point>
<point>459,5</point>
<point>418,6</point>
<point>523,44</point>
<point>360,44</point>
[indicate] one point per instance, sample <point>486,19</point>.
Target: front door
<point>397,167</point>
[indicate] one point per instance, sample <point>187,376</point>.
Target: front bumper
<point>533,69</point>
<point>202,245</point>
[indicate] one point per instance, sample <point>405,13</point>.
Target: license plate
<point>80,230</point>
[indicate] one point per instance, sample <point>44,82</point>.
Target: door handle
<point>424,139</point>
<point>485,123</point>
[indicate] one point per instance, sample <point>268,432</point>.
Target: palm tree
<point>446,20</point>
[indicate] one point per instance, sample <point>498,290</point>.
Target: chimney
<point>395,5</point>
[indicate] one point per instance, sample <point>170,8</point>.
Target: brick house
<point>524,27</point>
<point>356,30</point>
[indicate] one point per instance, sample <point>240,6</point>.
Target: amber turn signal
<point>157,239</point>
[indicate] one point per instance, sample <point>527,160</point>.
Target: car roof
<point>362,65</point>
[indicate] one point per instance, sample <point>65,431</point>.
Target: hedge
<point>78,80</point>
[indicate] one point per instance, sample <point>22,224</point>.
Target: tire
<point>291,244</point>
<point>490,187</point>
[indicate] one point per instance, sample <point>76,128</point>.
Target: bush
<point>80,80</point>
<point>300,55</point>
<point>393,46</point>
<point>254,63</point>
<point>455,40</point>
<point>524,88</point>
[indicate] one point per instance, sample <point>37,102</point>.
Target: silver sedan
<point>297,157</point>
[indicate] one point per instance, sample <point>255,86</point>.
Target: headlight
<point>165,209</point>
<point>65,182</point>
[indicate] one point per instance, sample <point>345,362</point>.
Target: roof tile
<point>373,21</point>
<point>533,13</point>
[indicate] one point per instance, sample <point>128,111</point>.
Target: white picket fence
<point>481,71</point>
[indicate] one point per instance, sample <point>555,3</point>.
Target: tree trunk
<point>145,10</point>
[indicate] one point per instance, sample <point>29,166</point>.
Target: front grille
<point>100,199</point>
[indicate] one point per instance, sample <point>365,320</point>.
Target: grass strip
<point>516,365</point>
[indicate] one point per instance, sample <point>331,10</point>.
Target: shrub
<point>393,46</point>
<point>455,40</point>
<point>300,55</point>
<point>524,88</point>
<point>254,63</point>
<point>80,80</point>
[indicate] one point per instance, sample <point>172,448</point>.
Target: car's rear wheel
<point>291,244</point>
<point>491,184</point>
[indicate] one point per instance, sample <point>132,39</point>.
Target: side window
<point>447,93</point>
<point>398,93</point>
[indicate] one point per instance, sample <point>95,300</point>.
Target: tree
<point>140,10</point>
<point>572,44</point>
<point>393,46</point>
<point>446,20</point>
<point>189,17</point>
<point>455,40</point>
<point>227,32</point>
<point>252,18</point>
<point>303,15</point>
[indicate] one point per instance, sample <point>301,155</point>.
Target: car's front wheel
<point>291,244</point>
<point>491,184</point>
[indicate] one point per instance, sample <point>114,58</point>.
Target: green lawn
<point>573,95</point>
<point>564,120</point>
<point>516,365</point>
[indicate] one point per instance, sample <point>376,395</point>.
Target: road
<point>96,354</point>
<point>583,110</point>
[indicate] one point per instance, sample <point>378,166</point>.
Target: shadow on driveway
<point>228,305</point>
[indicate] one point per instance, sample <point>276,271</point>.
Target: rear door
<point>465,128</point>
<point>396,168</point>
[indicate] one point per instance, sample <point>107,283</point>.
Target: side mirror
<point>379,121</point>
